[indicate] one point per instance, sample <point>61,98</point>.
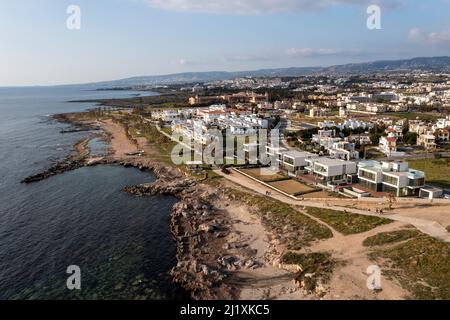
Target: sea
<point>120,245</point>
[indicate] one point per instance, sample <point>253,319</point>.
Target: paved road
<point>430,227</point>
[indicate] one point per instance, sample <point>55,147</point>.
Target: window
<point>416,182</point>
<point>390,180</point>
<point>367,175</point>
<point>289,161</point>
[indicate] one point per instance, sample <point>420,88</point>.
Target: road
<point>430,227</point>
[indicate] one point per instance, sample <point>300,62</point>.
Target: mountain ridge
<point>435,64</point>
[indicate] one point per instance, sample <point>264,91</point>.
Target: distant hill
<point>190,77</point>
<point>435,64</point>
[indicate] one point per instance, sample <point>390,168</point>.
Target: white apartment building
<point>330,170</point>
<point>167,116</point>
<point>343,150</point>
<point>325,138</point>
<point>295,161</point>
<point>393,177</point>
<point>442,124</point>
<point>252,152</point>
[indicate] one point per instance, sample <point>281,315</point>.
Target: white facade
<point>343,150</point>
<point>393,177</point>
<point>331,169</point>
<point>296,160</point>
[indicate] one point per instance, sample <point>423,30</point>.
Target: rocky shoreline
<point>72,162</point>
<point>197,227</point>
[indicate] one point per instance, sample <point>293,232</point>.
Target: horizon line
<point>211,71</point>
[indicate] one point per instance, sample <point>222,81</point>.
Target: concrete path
<point>430,227</point>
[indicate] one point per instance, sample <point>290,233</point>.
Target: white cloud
<point>258,7</point>
<point>250,57</point>
<point>310,52</point>
<point>183,62</point>
<point>438,38</point>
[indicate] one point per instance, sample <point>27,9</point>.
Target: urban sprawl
<point>347,135</point>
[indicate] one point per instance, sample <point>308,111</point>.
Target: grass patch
<point>390,237</point>
<point>448,228</point>
<point>314,267</point>
<point>413,116</point>
<point>139,129</point>
<point>421,264</point>
<point>347,223</point>
<point>295,229</point>
<point>437,170</point>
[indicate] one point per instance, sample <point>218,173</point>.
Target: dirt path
<point>266,281</point>
<point>425,224</point>
<point>349,280</point>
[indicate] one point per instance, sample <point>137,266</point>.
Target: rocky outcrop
<point>198,229</point>
<point>58,168</point>
<point>72,162</point>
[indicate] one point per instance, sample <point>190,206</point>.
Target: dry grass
<point>437,171</point>
<point>421,264</point>
<point>385,238</point>
<point>294,228</point>
<point>292,187</point>
<point>347,223</point>
<point>264,174</point>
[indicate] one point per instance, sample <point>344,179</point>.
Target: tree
<point>410,138</point>
<point>376,133</point>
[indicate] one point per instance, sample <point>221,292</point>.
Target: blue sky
<point>123,38</point>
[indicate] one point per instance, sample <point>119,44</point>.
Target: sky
<point>40,43</point>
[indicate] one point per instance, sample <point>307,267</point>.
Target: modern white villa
<point>296,161</point>
<point>393,177</point>
<point>331,170</point>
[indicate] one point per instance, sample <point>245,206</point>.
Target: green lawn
<point>347,223</point>
<point>414,116</point>
<point>437,170</point>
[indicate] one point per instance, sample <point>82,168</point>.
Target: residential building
<point>343,150</point>
<point>393,177</point>
<point>295,161</point>
<point>442,123</point>
<point>430,192</point>
<point>388,144</point>
<point>443,135</point>
<point>428,141</point>
<point>275,152</point>
<point>330,170</point>
<point>252,152</point>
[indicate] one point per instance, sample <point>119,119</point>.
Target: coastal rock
<point>207,228</point>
